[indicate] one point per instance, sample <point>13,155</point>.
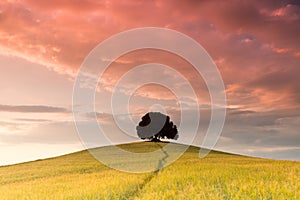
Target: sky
<point>255,45</point>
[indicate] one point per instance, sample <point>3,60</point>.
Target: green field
<point>217,176</point>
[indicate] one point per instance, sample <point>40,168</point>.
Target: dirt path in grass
<point>149,178</point>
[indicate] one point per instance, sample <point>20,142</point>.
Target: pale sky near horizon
<point>255,45</point>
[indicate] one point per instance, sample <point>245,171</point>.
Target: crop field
<point>217,176</point>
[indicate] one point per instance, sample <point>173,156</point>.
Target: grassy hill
<point>217,176</point>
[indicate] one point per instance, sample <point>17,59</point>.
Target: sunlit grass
<point>218,176</point>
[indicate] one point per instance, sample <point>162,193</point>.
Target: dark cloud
<point>277,128</point>
<point>240,112</point>
<point>31,120</point>
<point>32,109</point>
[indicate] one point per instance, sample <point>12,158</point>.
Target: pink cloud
<point>289,11</point>
<point>248,39</point>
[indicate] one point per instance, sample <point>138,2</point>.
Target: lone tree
<point>155,126</point>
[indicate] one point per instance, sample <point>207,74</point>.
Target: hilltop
<point>217,176</point>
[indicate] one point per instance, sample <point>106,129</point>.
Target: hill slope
<point>217,176</point>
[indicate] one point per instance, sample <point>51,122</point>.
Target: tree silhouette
<point>155,126</point>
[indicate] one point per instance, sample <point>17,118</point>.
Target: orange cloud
<point>241,36</point>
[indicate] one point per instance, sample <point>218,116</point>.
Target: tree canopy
<point>155,126</point>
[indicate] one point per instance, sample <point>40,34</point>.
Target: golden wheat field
<point>217,176</point>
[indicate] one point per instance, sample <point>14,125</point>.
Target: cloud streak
<point>32,109</point>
